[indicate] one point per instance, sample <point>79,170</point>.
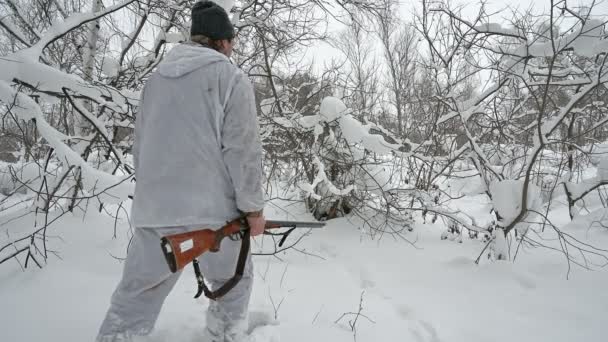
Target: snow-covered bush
<point>529,125</point>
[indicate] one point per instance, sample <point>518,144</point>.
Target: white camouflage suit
<point>197,156</point>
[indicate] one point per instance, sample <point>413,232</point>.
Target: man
<point>197,157</point>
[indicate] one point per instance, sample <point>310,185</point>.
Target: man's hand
<point>256,224</point>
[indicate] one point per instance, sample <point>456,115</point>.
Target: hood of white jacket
<point>185,58</point>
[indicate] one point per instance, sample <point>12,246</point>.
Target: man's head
<point>211,26</point>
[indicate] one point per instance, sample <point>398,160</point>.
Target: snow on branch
<point>19,14</point>
<point>24,69</point>
<point>587,40</point>
<point>549,126</point>
<point>46,79</point>
<point>109,188</point>
<point>576,191</point>
<point>6,23</point>
<point>506,198</point>
<point>322,177</point>
<point>60,29</point>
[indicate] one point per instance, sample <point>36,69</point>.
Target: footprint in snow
<point>259,319</point>
<point>362,275</point>
<point>421,330</point>
<point>404,311</point>
<point>264,333</point>
<point>424,331</point>
<point>262,327</point>
<point>185,333</point>
<point>461,262</point>
<point>525,281</point>
<point>327,249</point>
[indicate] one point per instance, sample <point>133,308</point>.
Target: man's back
<point>198,162</point>
<point>196,142</point>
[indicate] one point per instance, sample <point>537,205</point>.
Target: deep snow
<point>431,292</point>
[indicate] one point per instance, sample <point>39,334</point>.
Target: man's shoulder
<point>233,75</point>
<point>229,67</point>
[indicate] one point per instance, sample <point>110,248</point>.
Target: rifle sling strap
<point>230,284</point>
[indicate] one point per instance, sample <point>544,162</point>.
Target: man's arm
<point>137,131</point>
<point>242,147</point>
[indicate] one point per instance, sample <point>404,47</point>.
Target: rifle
<point>183,248</point>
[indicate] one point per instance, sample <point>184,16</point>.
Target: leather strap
<point>230,284</point>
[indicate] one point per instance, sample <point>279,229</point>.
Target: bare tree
<point>359,79</point>
<point>541,79</point>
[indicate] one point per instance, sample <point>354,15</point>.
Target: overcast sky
<point>500,10</point>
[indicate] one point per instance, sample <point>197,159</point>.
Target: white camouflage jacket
<point>197,150</point>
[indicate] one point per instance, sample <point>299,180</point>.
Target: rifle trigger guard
<point>237,236</point>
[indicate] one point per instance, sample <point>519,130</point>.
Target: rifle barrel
<point>294,224</point>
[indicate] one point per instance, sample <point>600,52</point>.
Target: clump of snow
<point>507,200</point>
<point>321,178</point>
<point>352,130</point>
<point>308,121</point>
<point>332,108</point>
<point>110,67</point>
<point>377,144</point>
<point>309,190</point>
<point>494,28</point>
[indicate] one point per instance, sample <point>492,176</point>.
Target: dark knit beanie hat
<point>211,20</point>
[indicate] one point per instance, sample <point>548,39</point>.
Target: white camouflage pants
<point>146,282</point>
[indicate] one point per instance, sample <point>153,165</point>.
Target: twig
<point>353,323</point>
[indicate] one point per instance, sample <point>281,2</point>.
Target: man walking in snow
<point>197,157</point>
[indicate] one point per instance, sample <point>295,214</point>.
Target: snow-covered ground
<point>431,292</point>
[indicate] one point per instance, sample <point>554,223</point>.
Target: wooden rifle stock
<point>181,249</point>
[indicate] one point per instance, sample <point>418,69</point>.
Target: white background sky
<point>499,8</point>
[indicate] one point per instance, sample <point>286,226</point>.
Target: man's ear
<point>225,44</point>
